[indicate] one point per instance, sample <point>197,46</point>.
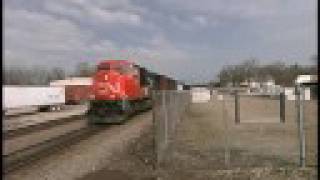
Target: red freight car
<point>164,83</point>
<point>76,94</point>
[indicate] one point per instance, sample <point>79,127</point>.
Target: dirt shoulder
<point>136,162</point>
<point>89,155</point>
<point>254,151</point>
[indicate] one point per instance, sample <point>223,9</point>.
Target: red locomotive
<point>120,88</point>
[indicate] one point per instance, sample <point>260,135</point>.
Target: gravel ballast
<point>86,156</point>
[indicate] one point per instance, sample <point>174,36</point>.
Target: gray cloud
<point>189,40</point>
<point>95,11</point>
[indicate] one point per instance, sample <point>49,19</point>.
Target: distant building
<point>310,83</point>
<point>251,84</point>
<point>244,84</point>
<point>264,87</point>
<point>306,79</point>
<point>269,82</point>
<point>180,85</point>
<point>199,86</point>
<point>255,85</point>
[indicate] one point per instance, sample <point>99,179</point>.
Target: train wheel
<point>53,108</point>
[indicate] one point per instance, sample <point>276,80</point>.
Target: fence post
<point>155,129</point>
<point>227,144</point>
<point>237,107</point>
<point>171,115</point>
<point>282,107</point>
<point>180,104</point>
<point>299,104</point>
<point>164,106</point>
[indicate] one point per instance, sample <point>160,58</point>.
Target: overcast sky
<point>185,39</point>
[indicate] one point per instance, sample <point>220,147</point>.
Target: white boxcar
<point>43,97</point>
<point>84,81</point>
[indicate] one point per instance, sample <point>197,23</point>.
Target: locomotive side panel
<point>163,84</point>
<point>117,81</point>
<point>120,89</point>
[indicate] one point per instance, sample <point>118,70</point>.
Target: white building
<point>180,87</point>
<point>306,79</point>
<point>254,85</point>
<point>290,93</point>
<point>269,87</point>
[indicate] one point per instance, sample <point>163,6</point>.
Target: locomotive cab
<point>120,89</point>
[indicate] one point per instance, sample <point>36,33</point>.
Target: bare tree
<point>84,69</point>
<point>16,75</point>
<point>249,70</point>
<point>225,76</point>
<point>238,73</point>
<point>57,74</point>
<point>31,76</point>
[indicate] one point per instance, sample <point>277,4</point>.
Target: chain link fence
<point>234,131</point>
<point>257,135</point>
<point>168,110</point>
<point>273,129</point>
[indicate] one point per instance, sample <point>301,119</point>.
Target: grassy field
<point>209,140</point>
<point>209,145</point>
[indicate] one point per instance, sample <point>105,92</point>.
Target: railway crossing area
<point>184,137</point>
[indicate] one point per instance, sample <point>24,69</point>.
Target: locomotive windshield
<point>127,70</point>
<point>121,68</point>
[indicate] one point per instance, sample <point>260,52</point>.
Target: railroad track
<point>9,116</point>
<point>9,134</point>
<point>18,152</point>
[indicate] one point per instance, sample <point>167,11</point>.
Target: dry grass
<point>209,145</point>
<point>208,138</point>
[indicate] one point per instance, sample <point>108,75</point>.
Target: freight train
<point>77,89</point>
<point>121,88</point>
<point>21,98</point>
